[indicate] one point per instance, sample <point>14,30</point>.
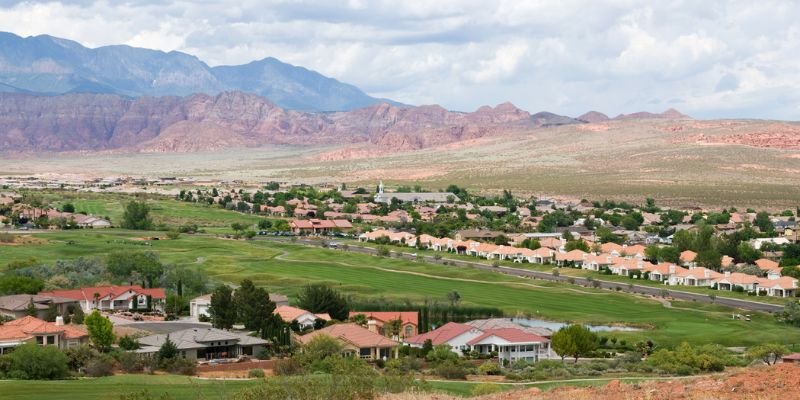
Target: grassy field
<point>109,388</point>
<point>287,267</point>
<point>163,210</point>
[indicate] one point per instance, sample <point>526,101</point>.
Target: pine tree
<point>31,310</point>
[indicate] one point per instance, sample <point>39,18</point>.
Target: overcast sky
<point>705,58</point>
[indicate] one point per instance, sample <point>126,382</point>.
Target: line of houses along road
<point>616,259</point>
<point>377,335</point>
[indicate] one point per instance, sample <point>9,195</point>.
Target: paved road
<point>654,291</point>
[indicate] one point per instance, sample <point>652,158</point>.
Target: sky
<point>708,59</point>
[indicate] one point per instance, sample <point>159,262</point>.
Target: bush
<point>204,318</point>
<point>130,363</point>
<point>181,366</point>
<point>451,369</point>
<point>101,365</point>
<point>486,388</point>
<point>287,367</point>
<point>263,354</point>
<point>78,357</point>
<point>128,343</point>
<point>31,361</point>
<point>255,373</point>
<point>489,368</point>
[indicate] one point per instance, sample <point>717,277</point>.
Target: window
<point>409,330</point>
<point>40,340</point>
<point>51,340</point>
<point>142,300</point>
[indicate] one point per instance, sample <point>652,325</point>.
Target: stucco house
<point>357,341</point>
<point>305,319</point>
<point>113,298</point>
<point>33,330</point>
<point>453,334</point>
<point>199,306</point>
<point>377,320</point>
<point>205,343</point>
<point>16,305</point>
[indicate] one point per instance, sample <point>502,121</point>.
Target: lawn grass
<point>164,210</point>
<point>285,267</point>
<point>108,388</point>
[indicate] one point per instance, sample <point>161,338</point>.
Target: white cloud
<point>725,58</point>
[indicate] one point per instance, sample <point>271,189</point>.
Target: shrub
<point>204,318</point>
<point>263,354</point>
<point>255,373</point>
<point>78,357</point>
<point>485,389</point>
<point>101,365</point>
<point>451,369</point>
<point>128,343</point>
<point>287,367</point>
<point>130,362</point>
<point>489,368</point>
<point>182,366</point>
<point>31,361</point>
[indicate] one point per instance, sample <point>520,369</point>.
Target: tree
<point>31,309</point>
<point>319,348</point>
<point>790,313</point>
<point>253,305</point>
<point>78,316</point>
<point>137,216</point>
<point>52,313</point>
<point>574,340</point>
<point>763,222</point>
<point>31,361</point>
<point>133,265</point>
<point>454,298</point>
<point>577,245</point>
<point>128,343</point>
<point>747,253</point>
<point>68,208</point>
<point>101,330</point>
<point>710,258</point>
<point>669,254</point>
<point>167,351</point>
<point>318,298</point>
<point>770,353</point>
<point>17,284</point>
<point>222,308</point>
<point>651,252</point>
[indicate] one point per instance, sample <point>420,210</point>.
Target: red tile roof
<point>88,293</point>
<point>408,317</point>
<point>27,327</point>
<point>354,334</point>
<point>441,335</point>
<point>511,335</point>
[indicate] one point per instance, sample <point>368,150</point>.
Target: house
<point>34,330</point>
<point>767,265</point>
<point>377,320</point>
<point>477,234</point>
<point>16,305</point>
<point>204,343</point>
<point>687,258</point>
<point>597,262</point>
<point>415,197</point>
<point>452,334</point>
<point>571,257</point>
<point>697,276</point>
<point>542,255</point>
<point>315,226</point>
<point>277,211</point>
<point>512,344</point>
<point>304,319</point>
<point>498,323</point>
<point>730,280</point>
<point>357,341</point>
<point>199,305</point>
<point>114,298</point>
<point>664,271</point>
<point>779,287</point>
<point>791,358</point>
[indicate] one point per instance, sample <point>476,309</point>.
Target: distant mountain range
<point>57,95</point>
<point>50,65</point>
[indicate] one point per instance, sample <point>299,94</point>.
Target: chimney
<point>59,321</point>
<point>372,326</point>
<point>727,273</point>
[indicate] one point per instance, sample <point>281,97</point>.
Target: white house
<point>116,298</point>
<point>304,319</point>
<point>512,344</point>
<point>453,334</point>
<point>200,305</point>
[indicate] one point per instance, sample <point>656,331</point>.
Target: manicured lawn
<point>164,210</point>
<point>287,267</point>
<point>109,388</point>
